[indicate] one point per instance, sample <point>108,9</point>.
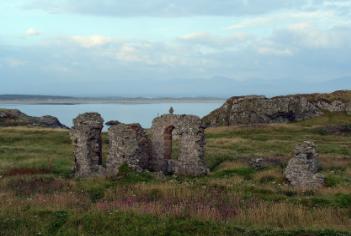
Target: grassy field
<point>38,196</point>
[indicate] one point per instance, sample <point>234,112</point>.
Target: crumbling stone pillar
<point>190,133</point>
<point>87,142</point>
<point>129,145</point>
<point>302,170</point>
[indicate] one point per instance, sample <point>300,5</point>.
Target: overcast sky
<point>174,47</point>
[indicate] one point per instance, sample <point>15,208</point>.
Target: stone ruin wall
<point>87,142</point>
<point>129,144</point>
<point>189,132</point>
<point>302,170</point>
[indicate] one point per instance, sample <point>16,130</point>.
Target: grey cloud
<point>168,69</point>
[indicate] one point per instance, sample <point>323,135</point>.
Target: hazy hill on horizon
<point>220,88</point>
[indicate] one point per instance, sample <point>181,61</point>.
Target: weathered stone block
<point>128,145</point>
<point>87,142</point>
<point>302,170</point>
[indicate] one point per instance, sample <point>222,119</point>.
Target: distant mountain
<point>57,100</point>
<point>23,97</point>
<point>192,88</point>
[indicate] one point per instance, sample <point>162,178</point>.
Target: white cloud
<point>32,32</point>
<point>299,26</point>
<point>195,36</point>
<point>305,34</point>
<point>91,41</point>
<point>275,51</point>
<point>206,42</point>
<point>281,19</point>
<point>129,53</point>
<point>14,62</point>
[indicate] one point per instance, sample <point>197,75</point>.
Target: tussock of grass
<point>244,172</point>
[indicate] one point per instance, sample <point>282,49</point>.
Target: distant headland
<point>68,100</point>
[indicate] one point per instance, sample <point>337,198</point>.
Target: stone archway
<point>187,158</point>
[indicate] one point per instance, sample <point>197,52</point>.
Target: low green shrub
<point>332,180</point>
<point>126,175</point>
<point>342,200</point>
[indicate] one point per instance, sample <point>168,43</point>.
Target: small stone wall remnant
<point>128,145</point>
<point>302,170</point>
<point>188,130</point>
<point>87,142</point>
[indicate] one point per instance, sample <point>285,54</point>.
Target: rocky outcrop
<point>301,171</point>
<point>13,117</point>
<point>259,109</point>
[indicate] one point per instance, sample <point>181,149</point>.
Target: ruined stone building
<point>188,132</point>
<point>174,145</point>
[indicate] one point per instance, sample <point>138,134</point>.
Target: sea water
<point>126,113</point>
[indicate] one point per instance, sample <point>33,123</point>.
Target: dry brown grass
<point>214,204</point>
<point>329,191</point>
<point>229,182</point>
<point>65,200</point>
<point>226,141</point>
<point>24,128</point>
<point>26,171</point>
<point>274,173</point>
<point>285,215</point>
<point>227,165</point>
<point>171,199</point>
<point>333,162</point>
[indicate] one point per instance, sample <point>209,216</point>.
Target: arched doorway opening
<point>168,142</point>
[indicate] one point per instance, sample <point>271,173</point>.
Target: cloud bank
<point>268,47</point>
